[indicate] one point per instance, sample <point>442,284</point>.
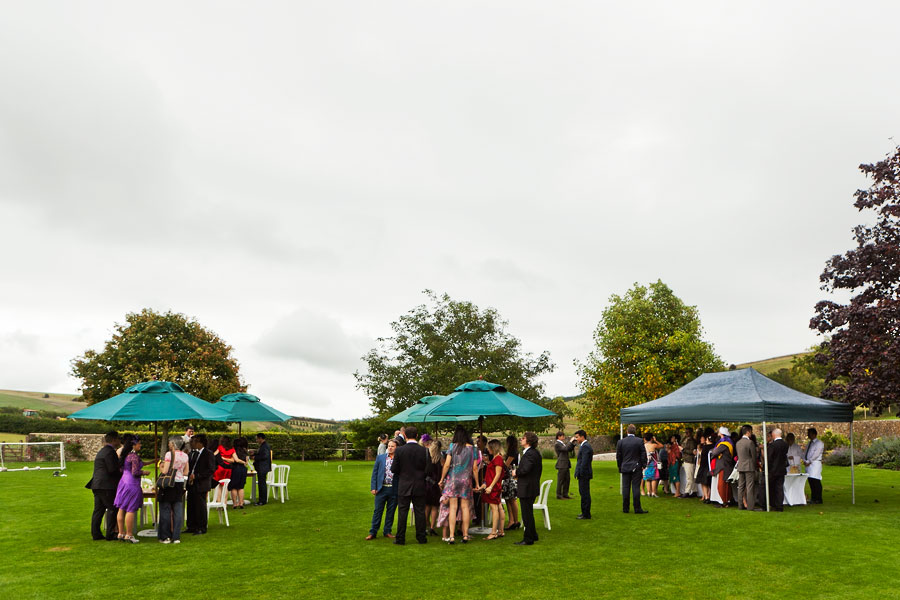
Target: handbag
<point>734,476</point>
<point>167,480</point>
<point>650,470</point>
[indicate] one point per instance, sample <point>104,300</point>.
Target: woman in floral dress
<point>460,471</point>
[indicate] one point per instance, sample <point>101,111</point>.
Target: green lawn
<point>312,547</point>
<point>36,401</point>
<point>12,437</point>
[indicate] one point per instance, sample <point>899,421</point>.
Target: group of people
<point>734,460</point>
<point>118,494</point>
<point>447,487</point>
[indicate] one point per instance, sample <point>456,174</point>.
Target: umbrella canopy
<point>152,401</point>
<point>485,399</point>
<point>414,414</point>
<point>741,395</point>
<point>242,407</point>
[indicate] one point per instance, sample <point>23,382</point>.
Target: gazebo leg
<point>766,461</point>
<point>852,475</point>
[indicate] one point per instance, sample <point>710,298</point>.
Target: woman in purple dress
<point>129,495</point>
<point>460,470</point>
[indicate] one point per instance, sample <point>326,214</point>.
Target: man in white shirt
<point>813,461</point>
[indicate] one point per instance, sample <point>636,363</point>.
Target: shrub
<point>25,425</point>
<point>548,454</point>
<point>834,440</point>
<point>885,453</point>
<point>74,450</point>
<point>840,457</point>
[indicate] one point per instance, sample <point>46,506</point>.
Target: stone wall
<point>91,443</point>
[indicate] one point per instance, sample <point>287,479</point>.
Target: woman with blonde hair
<point>432,491</point>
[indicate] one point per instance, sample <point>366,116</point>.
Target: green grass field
<point>313,547</point>
<point>771,365</point>
<point>36,401</point>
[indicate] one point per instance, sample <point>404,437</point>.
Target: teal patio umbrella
<point>242,407</point>
<point>153,401</point>
<point>485,399</point>
<point>416,413</point>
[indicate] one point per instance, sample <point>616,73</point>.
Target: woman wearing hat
<point>723,454</point>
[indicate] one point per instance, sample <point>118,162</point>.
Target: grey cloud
<point>316,339</point>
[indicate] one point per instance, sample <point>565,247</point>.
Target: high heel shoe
<point>465,539</point>
<point>451,540</point>
<point>512,526</point>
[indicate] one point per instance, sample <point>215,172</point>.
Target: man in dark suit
<point>631,457</point>
<point>528,475</point>
<point>584,472</point>
<point>408,467</point>
<point>202,464</point>
<point>262,462</point>
<point>563,465</point>
<point>104,483</point>
<point>778,464</point>
<point>746,466</point>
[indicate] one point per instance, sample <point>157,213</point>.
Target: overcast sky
<point>294,174</point>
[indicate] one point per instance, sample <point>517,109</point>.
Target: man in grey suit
<point>563,465</point>
<point>747,454</point>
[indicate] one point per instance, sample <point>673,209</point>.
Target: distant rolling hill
<point>771,365</point>
<point>64,403</point>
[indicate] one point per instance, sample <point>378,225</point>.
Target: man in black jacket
<point>528,475</point>
<point>262,462</point>
<point>631,457</point>
<point>202,465</point>
<point>409,464</point>
<point>778,464</point>
<point>584,472</point>
<point>104,483</point>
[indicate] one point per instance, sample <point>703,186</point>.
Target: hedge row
<point>26,425</point>
<point>284,445</point>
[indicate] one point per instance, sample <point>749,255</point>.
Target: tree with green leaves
<point>648,343</point>
<point>445,343</point>
<point>166,346</point>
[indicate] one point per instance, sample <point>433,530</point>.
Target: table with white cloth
<point>795,489</point>
<point>714,489</point>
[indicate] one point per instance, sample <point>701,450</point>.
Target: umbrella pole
<point>155,454</point>
<point>766,461</point>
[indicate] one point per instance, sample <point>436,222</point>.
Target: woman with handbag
<point>650,482</point>
<point>129,495</point>
<point>703,473</point>
<point>238,473</point>
<point>510,486</point>
<point>170,494</point>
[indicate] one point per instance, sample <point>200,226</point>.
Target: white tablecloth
<point>714,490</point>
<point>794,489</point>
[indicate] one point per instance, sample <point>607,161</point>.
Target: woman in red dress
<point>493,480</point>
<point>224,458</point>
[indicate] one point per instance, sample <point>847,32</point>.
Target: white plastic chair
<point>277,479</point>
<point>147,508</point>
<point>541,504</point>
<point>219,500</point>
